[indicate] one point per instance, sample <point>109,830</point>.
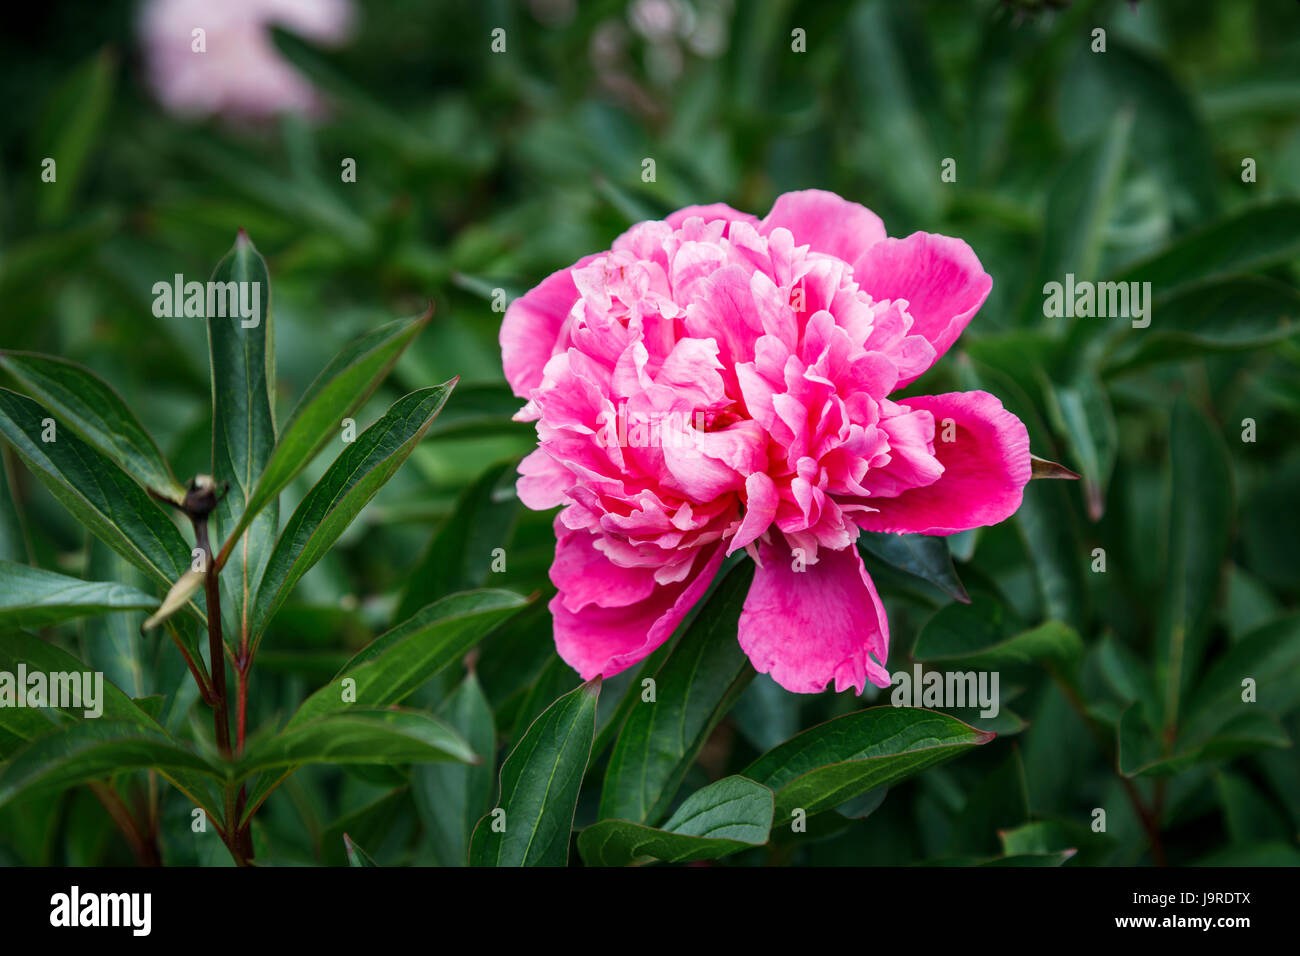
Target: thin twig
<point>145,850</point>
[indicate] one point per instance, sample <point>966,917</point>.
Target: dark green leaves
<point>983,636</point>
<point>30,597</point>
<point>337,392</point>
<point>1081,411</point>
<point>539,787</point>
<point>394,665</point>
<point>823,767</point>
<point>725,817</point>
<point>1221,315</point>
<point>72,122</point>
<point>358,736</point>
<point>1254,239</point>
<point>1200,512</point>
<point>90,749</point>
<point>923,556</point>
<point>460,554</point>
<point>98,493</point>
<point>1235,709</point>
<point>349,483</point>
<point>356,855</point>
<point>93,408</point>
<point>1078,209</point>
<point>242,365</point>
<point>694,689</point>
<point>451,797</point>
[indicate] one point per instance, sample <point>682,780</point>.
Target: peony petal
<point>585,576</point>
<point>826,222</point>
<point>543,482</point>
<point>824,623</point>
<point>985,469</point>
<point>602,641</point>
<point>716,210</point>
<point>941,279</point>
<point>761,499</point>
<point>531,329</point>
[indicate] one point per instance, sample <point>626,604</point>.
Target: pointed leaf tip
<point>1042,468</point>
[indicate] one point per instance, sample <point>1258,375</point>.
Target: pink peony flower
<point>239,74</point>
<point>716,382</point>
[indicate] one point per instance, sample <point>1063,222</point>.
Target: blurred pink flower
<point>239,74</point>
<point>716,382</point>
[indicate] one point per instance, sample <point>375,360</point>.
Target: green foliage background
<point>478,171</point>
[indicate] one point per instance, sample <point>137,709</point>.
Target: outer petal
<point>808,627</point>
<point>586,576</point>
<point>716,210</point>
<point>604,640</point>
<point>985,468</point>
<point>543,481</point>
<point>761,500</point>
<point>827,223</point>
<point>939,276</point>
<point>532,325</point>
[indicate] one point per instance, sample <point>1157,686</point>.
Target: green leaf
<point>37,655</point>
<point>96,412</point>
<point>1044,519</point>
<point>111,643</point>
<point>31,597</point>
<point>725,817</point>
<point>242,367</point>
<point>1127,674</point>
<point>1169,137</point>
<point>1250,816</point>
<point>1080,410</point>
<point>384,824</point>
<point>1269,658</point>
<point>460,554</point>
<point>86,750</point>
<point>72,121</point>
<point>14,545</point>
<point>1221,315</point>
<point>1244,732</point>
<point>360,735</point>
<point>400,661</point>
<point>450,798</point>
<point>956,631</point>
<point>1057,836</point>
<point>962,642</point>
<point>356,855</point>
<point>347,485</point>
<point>99,494</point>
<point>540,781</point>
<point>1200,514</point>
<point>1078,210</point>
<point>694,688</point>
<point>337,392</point>
<point>920,555</point>
<point>895,90</point>
<point>836,761</point>
<point>1247,241</point>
